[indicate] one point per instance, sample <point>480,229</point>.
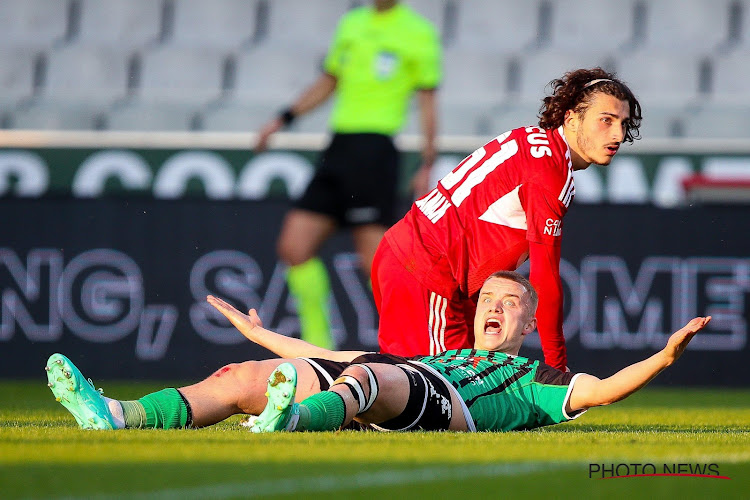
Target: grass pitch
<point>44,455</point>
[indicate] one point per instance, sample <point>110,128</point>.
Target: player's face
<point>599,130</point>
<point>502,317</point>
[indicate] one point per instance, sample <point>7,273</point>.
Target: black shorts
<point>429,407</point>
<point>356,182</point>
<point>328,371</point>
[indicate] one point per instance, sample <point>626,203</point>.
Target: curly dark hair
<point>571,92</point>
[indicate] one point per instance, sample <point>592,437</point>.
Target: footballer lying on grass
<point>485,388</point>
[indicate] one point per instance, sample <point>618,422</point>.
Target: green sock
<point>309,284</point>
<point>159,410</point>
<point>324,411</point>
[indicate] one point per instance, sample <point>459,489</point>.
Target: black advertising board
<point>119,285</point>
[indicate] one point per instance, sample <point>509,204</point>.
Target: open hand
<point>681,338</point>
<point>245,323</point>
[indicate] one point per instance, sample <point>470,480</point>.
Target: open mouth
<point>612,150</point>
<point>492,326</point>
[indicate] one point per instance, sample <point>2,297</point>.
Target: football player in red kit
<point>500,206</point>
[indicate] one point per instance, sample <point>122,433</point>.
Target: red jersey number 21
<point>506,151</point>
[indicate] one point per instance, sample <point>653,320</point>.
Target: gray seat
<point>243,116</point>
<point>176,83</point>
<point>238,116</point>
<point>719,122</point>
<point>16,75</point>
<point>433,10</point>
<point>506,26</point>
<point>511,116</point>
<point>539,69</point>
<point>671,78</point>
<point>730,76</point>
<point>33,23</point>
<point>476,76</point>
<point>152,116</point>
<point>588,25</point>
<point>225,24</point>
<point>191,74</point>
<point>275,74</point>
<point>127,24</point>
<point>698,26</point>
<point>86,73</point>
<point>661,120</point>
<point>81,82</point>
<point>56,115</point>
<point>302,23</point>
<point>464,118</point>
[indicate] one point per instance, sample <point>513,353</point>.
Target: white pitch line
<point>330,483</point>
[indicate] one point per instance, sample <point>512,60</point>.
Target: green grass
<point>44,455</point>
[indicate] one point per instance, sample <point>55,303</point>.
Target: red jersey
<point>487,215</point>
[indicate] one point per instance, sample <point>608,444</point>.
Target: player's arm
<point>589,391</point>
<point>545,277</point>
<point>251,327</point>
<point>310,99</point>
<point>428,117</point>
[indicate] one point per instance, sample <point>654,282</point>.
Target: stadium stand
<point>225,24</point>
<point>507,27</point>
<point>609,24</point>
<point>302,23</point>
<point>229,64</point>
<point>79,85</point>
<point>36,24</point>
<point>128,25</point>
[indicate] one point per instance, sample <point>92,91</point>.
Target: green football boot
<point>281,412</point>
<point>77,394</point>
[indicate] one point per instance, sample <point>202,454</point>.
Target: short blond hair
<point>521,280</point>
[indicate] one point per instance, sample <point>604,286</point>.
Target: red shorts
<point>413,319</point>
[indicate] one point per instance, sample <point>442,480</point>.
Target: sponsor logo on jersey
<point>553,227</point>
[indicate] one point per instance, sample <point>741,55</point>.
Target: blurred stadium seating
<point>227,65</point>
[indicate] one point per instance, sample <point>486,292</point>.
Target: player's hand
<point>681,338</point>
<point>265,133</point>
<point>420,183</point>
<point>245,323</point>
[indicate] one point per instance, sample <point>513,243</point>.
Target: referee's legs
<point>366,241</point>
<point>302,234</point>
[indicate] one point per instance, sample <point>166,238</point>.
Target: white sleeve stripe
<point>442,324</point>
<point>437,323</point>
<point>567,397</point>
<point>431,321</point>
<point>565,193</point>
<point>569,195</point>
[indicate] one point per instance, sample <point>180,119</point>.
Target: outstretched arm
<point>311,98</point>
<point>545,277</point>
<point>590,391</point>
<point>251,327</point>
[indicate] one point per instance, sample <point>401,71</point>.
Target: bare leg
<point>241,388</point>
<point>366,241</point>
<point>302,234</point>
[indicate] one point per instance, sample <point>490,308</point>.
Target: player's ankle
<point>115,409</point>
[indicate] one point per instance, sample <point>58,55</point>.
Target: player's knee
<point>361,383</point>
<point>225,372</point>
<point>359,373</point>
<point>291,254</point>
<point>247,385</point>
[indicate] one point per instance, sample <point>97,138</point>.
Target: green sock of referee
<point>309,284</point>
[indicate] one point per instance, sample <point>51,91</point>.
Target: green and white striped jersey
<point>505,392</point>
